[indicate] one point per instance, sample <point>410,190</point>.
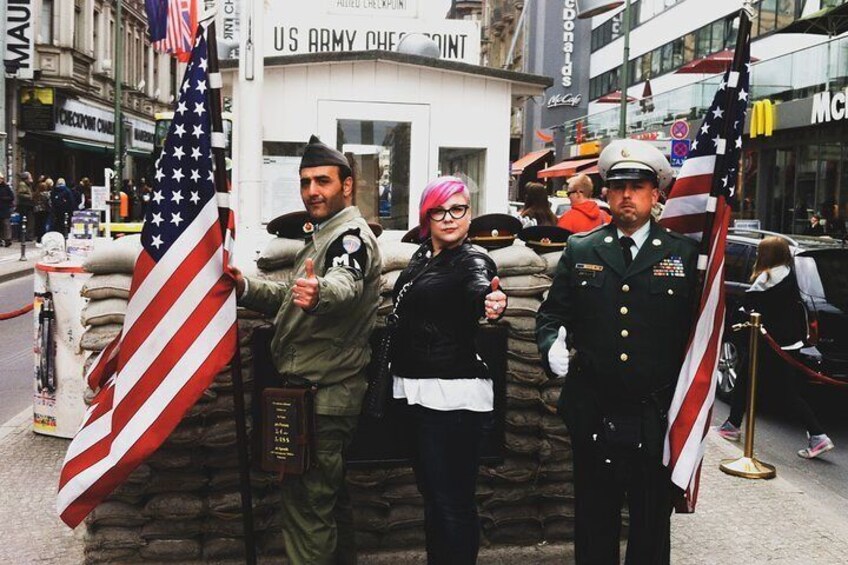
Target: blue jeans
<point>445,462</point>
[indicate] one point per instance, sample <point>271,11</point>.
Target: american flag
<point>180,23</point>
<point>713,159</point>
<point>180,325</point>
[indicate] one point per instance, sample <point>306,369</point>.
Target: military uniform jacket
<point>629,326</point>
<point>329,344</point>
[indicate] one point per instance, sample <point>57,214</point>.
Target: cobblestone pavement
<point>738,520</point>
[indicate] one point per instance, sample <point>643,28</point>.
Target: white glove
<point>558,354</point>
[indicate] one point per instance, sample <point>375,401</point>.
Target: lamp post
<point>590,8</point>
<point>118,66</point>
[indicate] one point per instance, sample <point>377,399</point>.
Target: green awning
<point>87,146</point>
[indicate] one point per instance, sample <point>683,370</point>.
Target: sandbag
<point>522,327</point>
<point>171,550</point>
<point>102,312</point>
<point>116,256</point>
<point>279,253</point>
<point>113,285</point>
<point>522,396</point>
<point>96,338</point>
<point>517,260</point>
<point>522,306</point>
<point>174,506</point>
<point>552,260</point>
<point>388,281</point>
<point>396,254</point>
<point>114,513</point>
<point>522,347</point>
<point>519,470</point>
<point>525,285</point>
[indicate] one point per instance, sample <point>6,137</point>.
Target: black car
<point>821,267</point>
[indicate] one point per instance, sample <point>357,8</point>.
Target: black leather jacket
<point>440,313</point>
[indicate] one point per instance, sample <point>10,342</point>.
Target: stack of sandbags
<point>111,264</point>
<point>276,262</point>
<point>396,256</point>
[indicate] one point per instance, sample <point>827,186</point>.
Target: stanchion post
<point>748,466</point>
<point>23,237</point>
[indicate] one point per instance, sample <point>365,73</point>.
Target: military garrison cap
<point>493,231</point>
<point>412,236</point>
<point>318,154</point>
<point>544,239</point>
<point>632,159</point>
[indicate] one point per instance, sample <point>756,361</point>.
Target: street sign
<point>679,151</point>
<point>679,129</point>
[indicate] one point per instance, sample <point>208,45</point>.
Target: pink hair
<point>435,194</point>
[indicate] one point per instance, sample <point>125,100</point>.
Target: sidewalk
<point>737,520</point>
<point>11,267</point>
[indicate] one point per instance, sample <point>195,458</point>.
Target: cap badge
<point>625,153</point>
<point>495,233</point>
<point>308,228</point>
<point>656,243</point>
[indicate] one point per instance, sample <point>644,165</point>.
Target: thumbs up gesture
<point>305,290</point>
<point>558,355</point>
<point>495,301</point>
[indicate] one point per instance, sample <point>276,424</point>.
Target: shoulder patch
<point>348,251</point>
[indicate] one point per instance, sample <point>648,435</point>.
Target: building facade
<point>62,119</point>
<point>794,171</point>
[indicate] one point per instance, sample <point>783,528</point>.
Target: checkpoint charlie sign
<point>362,25</point>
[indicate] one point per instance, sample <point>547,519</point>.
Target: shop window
<point>718,35</point>
<point>688,48</point>
<point>665,58</point>
<point>469,165</point>
<point>786,10</point>
<point>380,154</point>
<point>677,53</point>
<point>46,31</point>
<point>656,62</point>
<point>702,48</point>
<point>79,28</point>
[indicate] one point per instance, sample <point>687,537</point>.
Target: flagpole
<point>222,188</point>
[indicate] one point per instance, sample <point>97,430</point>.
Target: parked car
<point>821,267</point>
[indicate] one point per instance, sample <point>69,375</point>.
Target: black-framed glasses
<point>456,212</point>
<point>570,192</point>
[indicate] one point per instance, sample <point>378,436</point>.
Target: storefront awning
<point>87,146</point>
<point>529,159</point>
<point>568,168</point>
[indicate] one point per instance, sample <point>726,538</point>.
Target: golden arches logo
<point>762,118</point>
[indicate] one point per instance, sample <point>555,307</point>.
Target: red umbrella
<point>711,64</point>
<point>613,98</point>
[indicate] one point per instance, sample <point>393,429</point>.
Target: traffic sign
<point>679,129</point>
<point>679,151</point>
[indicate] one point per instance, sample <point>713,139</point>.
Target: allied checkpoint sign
<point>360,25</point>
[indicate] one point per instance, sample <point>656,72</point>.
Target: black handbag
<point>380,370</point>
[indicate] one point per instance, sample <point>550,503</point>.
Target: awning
<point>140,153</point>
<point>568,168</point>
<point>87,146</point>
<point>529,159</point>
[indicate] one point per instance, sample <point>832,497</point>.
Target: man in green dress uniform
<point>323,323</point>
<point>615,324</point>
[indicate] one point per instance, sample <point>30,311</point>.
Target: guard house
<point>404,119</point>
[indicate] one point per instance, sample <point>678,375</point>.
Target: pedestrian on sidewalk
<point>41,206</point>
<point>537,207</point>
<point>7,202</point>
<point>24,202</point>
<point>62,205</point>
<point>621,300</point>
<point>774,294</point>
<point>585,214</point>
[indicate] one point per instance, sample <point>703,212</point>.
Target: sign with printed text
<point>404,8</point>
<point>458,40</point>
<point>679,151</point>
<point>20,37</point>
<point>99,196</point>
<point>97,123</point>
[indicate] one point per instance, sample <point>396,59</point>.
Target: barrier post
<point>23,237</point>
<point>748,466</point>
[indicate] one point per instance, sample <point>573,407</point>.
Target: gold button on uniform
<point>625,288</point>
<point>625,333</point>
<point>624,310</point>
<point>623,357</point>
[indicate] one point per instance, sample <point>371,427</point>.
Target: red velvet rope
<point>16,313</point>
<point>815,375</point>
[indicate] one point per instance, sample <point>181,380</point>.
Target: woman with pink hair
<point>440,382</point>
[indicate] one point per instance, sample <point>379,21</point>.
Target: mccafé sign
<point>828,106</point>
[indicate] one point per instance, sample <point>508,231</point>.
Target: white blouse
<point>475,395</point>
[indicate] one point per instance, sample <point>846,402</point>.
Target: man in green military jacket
<point>615,324</point>
<point>323,323</point>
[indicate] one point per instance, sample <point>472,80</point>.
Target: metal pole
<point>222,187</point>
<point>4,124</point>
<point>623,78</point>
<point>748,466</point>
<point>518,31</point>
<point>23,237</point>
<point>119,71</point>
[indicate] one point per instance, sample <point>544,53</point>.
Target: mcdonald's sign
<point>762,118</point>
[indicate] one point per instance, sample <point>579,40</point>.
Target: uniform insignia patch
<point>589,267</point>
<point>351,243</point>
<point>671,266</point>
